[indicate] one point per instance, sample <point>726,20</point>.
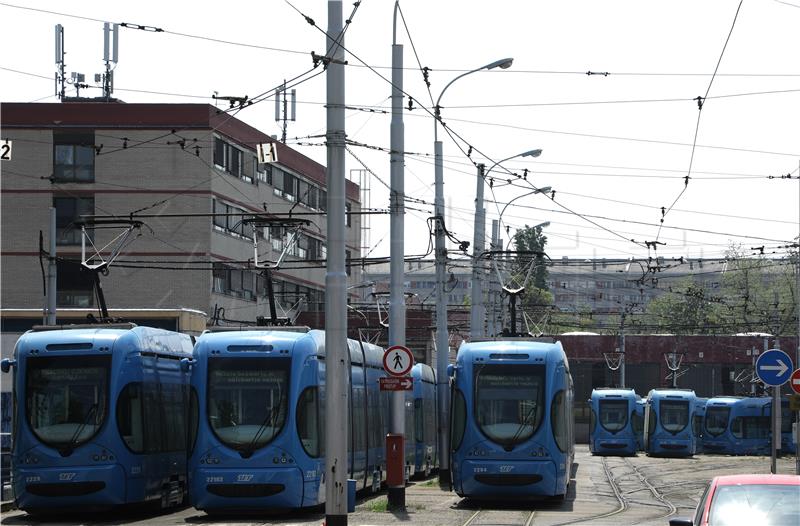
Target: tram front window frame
<point>608,407</point>
<point>509,401</point>
<point>66,398</point>
<point>719,417</point>
<point>674,415</point>
<point>247,400</point>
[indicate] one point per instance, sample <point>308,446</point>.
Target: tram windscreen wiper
<point>271,419</point>
<point>66,451</point>
<point>531,412</point>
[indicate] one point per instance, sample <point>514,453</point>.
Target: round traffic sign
<point>398,360</point>
<point>794,381</point>
<point>774,367</point>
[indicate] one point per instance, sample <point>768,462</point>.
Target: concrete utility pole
<point>497,244</point>
<point>397,302</point>
<point>337,355</point>
<point>477,317</point>
<point>52,275</point>
<point>797,353</point>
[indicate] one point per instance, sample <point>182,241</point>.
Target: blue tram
<point>717,436</point>
<point>698,417</point>
<point>751,426</point>
<point>511,420</point>
<point>788,417</point>
<point>612,429</point>
<point>101,417</point>
<point>667,422</point>
<point>261,419</point>
<point>638,423</point>
<point>425,416</point>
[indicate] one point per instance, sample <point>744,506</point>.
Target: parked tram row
<point>675,422</point>
<point>107,416</point>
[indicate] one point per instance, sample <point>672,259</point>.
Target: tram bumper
<point>672,447</point>
<point>512,480</point>
<point>70,488</point>
<point>243,489</point>
<point>616,445</point>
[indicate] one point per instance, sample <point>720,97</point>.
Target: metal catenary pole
<point>478,310</point>
<point>797,353</point>
<point>397,307</point>
<point>337,354</point>
<point>52,276</point>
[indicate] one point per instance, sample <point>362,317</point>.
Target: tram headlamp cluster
<point>477,452</point>
<point>539,452</point>
<point>102,457</point>
<point>209,460</point>
<point>283,459</point>
<point>30,459</point>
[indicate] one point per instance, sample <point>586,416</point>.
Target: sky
<point>626,99</point>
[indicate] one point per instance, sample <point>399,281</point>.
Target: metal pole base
<point>335,520</point>
<point>397,498</point>
<point>445,480</point>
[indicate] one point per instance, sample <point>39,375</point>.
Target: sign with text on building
<point>398,360</point>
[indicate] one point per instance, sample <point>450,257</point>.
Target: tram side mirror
<point>6,364</point>
<point>186,364</point>
<point>450,370</point>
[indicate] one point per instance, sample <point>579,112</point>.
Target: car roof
<point>732,480</point>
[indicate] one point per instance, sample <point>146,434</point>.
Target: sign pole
<point>776,429</point>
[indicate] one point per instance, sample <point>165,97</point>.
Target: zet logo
<point>66,476</point>
<point>244,477</point>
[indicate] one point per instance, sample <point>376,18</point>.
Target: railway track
<point>483,517</point>
<point>625,486</point>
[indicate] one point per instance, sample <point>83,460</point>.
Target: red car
<point>748,500</point>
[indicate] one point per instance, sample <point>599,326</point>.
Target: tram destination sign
<point>396,383</point>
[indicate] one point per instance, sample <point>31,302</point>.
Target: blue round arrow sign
<point>774,367</point>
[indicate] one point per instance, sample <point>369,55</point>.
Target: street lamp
<point>442,337</point>
<point>477,309</point>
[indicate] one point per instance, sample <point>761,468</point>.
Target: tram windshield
<point>66,398</point>
<point>247,400</point>
<point>509,401</point>
<point>613,414</point>
<point>717,420</point>
<point>674,415</point>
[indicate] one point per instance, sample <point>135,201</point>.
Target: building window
<point>348,208</point>
<point>73,157</point>
<point>263,172</point>
<point>231,224</point>
<point>74,284</point>
<point>347,260</point>
<point>233,282</point>
<point>227,157</point>
<point>69,211</point>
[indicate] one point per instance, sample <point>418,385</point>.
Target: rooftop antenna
<point>61,75</point>
<point>281,103</point>
<point>110,54</point>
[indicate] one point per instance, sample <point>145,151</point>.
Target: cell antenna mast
<point>110,54</point>
<point>61,75</point>
<point>281,107</point>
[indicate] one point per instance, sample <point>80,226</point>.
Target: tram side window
<point>418,419</point>
<point>174,425</point>
<point>430,420</point>
<point>651,424</point>
<point>559,421</point>
<point>129,417</point>
<point>192,418</point>
<point>359,427</point>
<point>308,421</point>
<point>458,419</point>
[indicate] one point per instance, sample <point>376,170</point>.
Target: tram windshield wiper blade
<point>75,436</point>
<point>524,423</point>
<point>271,418</point>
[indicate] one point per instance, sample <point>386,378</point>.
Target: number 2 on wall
<point>5,151</point>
